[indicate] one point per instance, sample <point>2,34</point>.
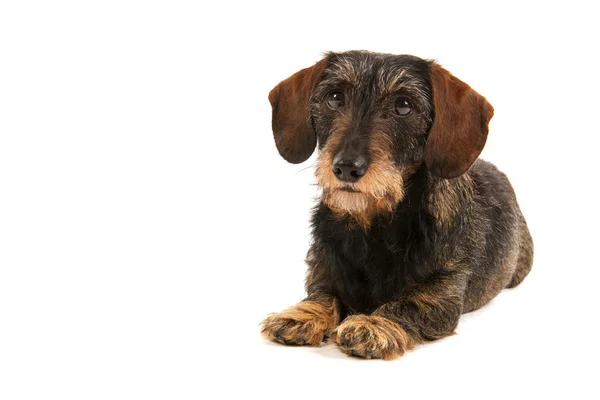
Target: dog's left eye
<point>335,99</point>
<point>403,107</point>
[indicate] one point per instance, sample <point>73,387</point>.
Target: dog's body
<point>411,230</point>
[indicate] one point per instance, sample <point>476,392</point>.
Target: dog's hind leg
<point>525,260</point>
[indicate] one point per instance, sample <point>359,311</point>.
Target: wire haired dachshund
<point>411,229</point>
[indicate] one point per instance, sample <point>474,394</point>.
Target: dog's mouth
<point>349,189</point>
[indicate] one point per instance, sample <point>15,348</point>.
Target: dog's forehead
<point>358,67</point>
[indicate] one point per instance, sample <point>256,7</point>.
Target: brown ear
<point>460,127</point>
<point>290,100</point>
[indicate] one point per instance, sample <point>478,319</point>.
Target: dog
<point>412,229</point>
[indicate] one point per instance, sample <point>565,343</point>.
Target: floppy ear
<point>460,127</point>
<point>290,100</point>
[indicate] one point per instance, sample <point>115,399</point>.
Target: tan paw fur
<point>306,323</point>
<point>369,336</point>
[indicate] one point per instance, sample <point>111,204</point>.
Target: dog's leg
<point>525,260</point>
<point>429,312</point>
<point>306,323</point>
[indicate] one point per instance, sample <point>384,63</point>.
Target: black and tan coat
<point>412,229</point>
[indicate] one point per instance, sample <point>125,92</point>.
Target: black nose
<point>349,169</point>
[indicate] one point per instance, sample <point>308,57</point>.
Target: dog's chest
<point>367,270</point>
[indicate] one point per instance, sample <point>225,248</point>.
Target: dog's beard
<point>344,201</point>
<point>378,191</point>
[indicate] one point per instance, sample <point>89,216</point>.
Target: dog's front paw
<point>306,323</point>
<point>370,336</point>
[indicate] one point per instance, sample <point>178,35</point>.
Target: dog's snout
<point>349,169</point>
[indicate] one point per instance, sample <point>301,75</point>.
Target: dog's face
<point>376,119</point>
<point>371,114</point>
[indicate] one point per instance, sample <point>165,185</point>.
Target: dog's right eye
<point>403,106</point>
<point>335,99</point>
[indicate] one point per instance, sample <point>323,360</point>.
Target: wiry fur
<point>370,336</point>
<point>400,254</point>
<point>307,322</point>
<point>378,191</point>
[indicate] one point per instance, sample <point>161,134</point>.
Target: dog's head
<point>376,119</point>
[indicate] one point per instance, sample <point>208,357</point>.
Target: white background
<point>147,223</point>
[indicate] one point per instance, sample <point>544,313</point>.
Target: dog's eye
<point>336,99</point>
<point>402,106</point>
